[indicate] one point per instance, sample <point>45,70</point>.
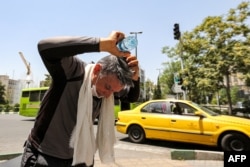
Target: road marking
<point>150,149</point>
<point>2,113</point>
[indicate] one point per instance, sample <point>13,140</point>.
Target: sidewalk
<point>132,158</point>
<point>147,158</point>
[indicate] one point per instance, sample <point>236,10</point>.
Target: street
<point>14,130</point>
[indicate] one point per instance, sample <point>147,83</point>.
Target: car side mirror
<point>198,113</point>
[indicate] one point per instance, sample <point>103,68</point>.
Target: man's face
<point>107,85</point>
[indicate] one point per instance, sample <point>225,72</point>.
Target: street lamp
<point>135,33</point>
<point>126,105</point>
<point>142,79</point>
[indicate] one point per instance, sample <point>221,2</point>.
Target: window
<point>155,107</point>
<point>25,94</point>
<point>34,96</point>
<point>42,94</point>
<point>186,109</point>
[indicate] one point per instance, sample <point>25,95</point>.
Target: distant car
<point>184,121</point>
<point>242,109</point>
<point>241,112</point>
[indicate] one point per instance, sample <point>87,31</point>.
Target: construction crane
<point>27,64</point>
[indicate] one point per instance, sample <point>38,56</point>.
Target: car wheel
<point>235,142</point>
<point>136,134</point>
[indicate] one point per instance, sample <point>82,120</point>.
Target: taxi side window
<point>176,109</point>
<point>156,107</point>
<point>186,109</point>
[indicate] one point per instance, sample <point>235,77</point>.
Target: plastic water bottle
<point>127,44</point>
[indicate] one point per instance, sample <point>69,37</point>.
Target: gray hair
<point>113,65</point>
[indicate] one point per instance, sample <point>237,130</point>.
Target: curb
<point>175,155</point>
<point>196,155</point>
<point>9,156</point>
<point>11,112</point>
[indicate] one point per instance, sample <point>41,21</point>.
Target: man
<point>63,131</point>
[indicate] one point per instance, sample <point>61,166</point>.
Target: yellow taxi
<point>184,121</point>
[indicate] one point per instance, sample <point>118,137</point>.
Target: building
<point>238,80</point>
<point>12,89</point>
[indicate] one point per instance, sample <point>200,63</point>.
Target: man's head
<point>111,74</point>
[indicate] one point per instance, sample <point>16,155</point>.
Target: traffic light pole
<point>177,36</point>
<point>182,67</point>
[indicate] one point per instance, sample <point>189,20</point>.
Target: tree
<point>167,77</point>
<point>157,91</point>
<point>224,48</point>
<point>247,81</point>
<point>214,50</point>
<point>16,107</point>
<point>48,80</point>
<point>2,94</point>
<point>149,89</point>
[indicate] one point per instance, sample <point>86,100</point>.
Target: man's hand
<point>109,44</point>
<point>134,66</point>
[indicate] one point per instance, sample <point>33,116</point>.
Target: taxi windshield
<point>206,109</point>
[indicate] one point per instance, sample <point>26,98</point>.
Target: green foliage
<point>157,91</point>
<point>117,108</point>
<point>2,94</point>
<point>214,50</point>
<point>247,80</point>
<point>149,85</point>
<point>48,80</point>
<point>16,107</point>
<point>167,78</point>
<point>234,94</point>
<point>7,108</point>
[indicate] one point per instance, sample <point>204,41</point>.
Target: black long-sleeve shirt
<point>57,116</point>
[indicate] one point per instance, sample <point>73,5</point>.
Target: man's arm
<point>58,55</point>
<point>134,92</point>
<point>131,95</point>
<point>59,47</point>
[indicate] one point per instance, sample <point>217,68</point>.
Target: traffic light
<point>177,33</point>
<point>176,78</point>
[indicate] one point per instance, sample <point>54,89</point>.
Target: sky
<point>24,23</point>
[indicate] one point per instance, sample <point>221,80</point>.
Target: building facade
<point>239,81</point>
<point>12,89</point>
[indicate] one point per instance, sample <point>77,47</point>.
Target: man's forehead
<point>114,82</point>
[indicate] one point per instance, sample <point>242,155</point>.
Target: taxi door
<point>156,121</point>
<point>188,127</point>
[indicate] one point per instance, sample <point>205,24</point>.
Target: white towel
<point>83,139</point>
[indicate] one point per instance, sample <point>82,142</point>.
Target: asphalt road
<point>14,130</point>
